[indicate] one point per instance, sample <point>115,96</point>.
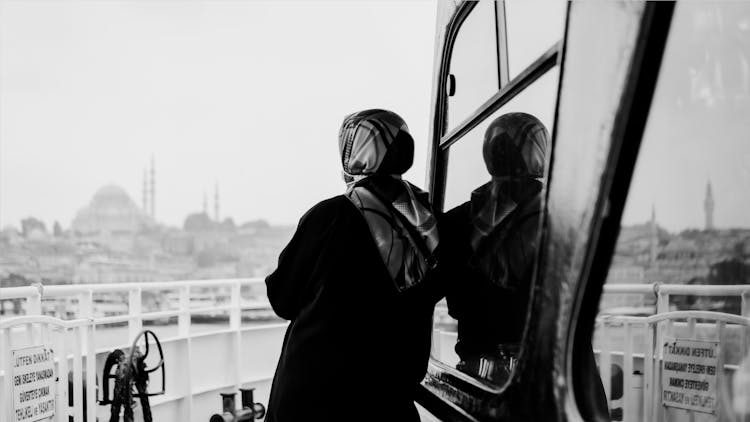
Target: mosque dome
<point>111,210</point>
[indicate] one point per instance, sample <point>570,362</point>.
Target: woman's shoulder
<point>458,215</point>
<point>328,208</point>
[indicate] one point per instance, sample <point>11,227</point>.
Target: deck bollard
<point>249,412</point>
<point>228,410</point>
<point>258,411</point>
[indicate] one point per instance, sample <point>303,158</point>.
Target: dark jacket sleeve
<point>453,265</point>
<point>291,283</point>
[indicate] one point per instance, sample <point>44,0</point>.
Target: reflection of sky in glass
<point>533,27</point>
<point>473,63</point>
<point>699,127</point>
<point>466,169</point>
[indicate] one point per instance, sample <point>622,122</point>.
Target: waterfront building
<point>112,219</point>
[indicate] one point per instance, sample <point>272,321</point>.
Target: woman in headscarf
<point>355,281</point>
<point>492,241</point>
<point>489,247</point>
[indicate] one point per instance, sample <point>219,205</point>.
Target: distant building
<point>112,218</point>
<point>708,207</point>
<point>105,268</point>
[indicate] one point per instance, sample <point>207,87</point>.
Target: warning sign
<point>689,374</point>
<point>33,384</point>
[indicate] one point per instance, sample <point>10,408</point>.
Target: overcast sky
<point>248,94</point>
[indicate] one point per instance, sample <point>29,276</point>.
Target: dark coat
<point>487,313</point>
<point>355,349</point>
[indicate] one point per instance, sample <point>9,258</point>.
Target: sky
<point>248,95</point>
<point>698,131</point>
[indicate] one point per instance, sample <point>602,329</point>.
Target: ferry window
<point>466,167</point>
<point>478,327</point>
<point>474,63</point>
<point>531,33</point>
<point>685,232</point>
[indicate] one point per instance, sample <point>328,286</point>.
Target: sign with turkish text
<point>689,374</point>
<point>33,384</point>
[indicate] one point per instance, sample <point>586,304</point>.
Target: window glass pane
<point>474,63</point>
<point>686,226</point>
<point>531,33</point>
<point>491,231</point>
<point>466,168</point>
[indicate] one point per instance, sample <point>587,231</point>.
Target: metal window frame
<point>631,119</point>
<point>437,162</point>
<point>441,143</point>
<point>630,124</point>
<point>509,89</point>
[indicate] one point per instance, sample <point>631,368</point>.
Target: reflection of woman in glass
<point>493,240</point>
<point>355,283</point>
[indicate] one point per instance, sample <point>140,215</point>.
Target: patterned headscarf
<point>515,151</point>
<point>376,148</point>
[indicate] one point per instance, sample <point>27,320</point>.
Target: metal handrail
<point>44,319</point>
<point>679,289</point>
<point>709,315</point>
<point>73,289</point>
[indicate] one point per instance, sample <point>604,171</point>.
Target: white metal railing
<point>663,293</point>
<point>199,364</point>
<point>57,337</point>
<point>635,343</point>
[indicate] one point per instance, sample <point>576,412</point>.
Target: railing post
<point>34,307</point>
<point>648,373</point>
<point>605,363</point>
<point>745,341</point>
<point>662,301</point>
<point>720,376</point>
<point>183,330</point>
<point>77,375</point>
<point>627,377</point>
<point>34,303</point>
<point>235,313</point>
<point>183,318</point>
<point>7,368</point>
<point>235,321</point>
<point>86,310</point>
<point>135,323</point>
<point>90,372</point>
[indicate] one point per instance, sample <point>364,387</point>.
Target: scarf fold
<point>514,149</point>
<point>376,149</point>
<point>495,216</point>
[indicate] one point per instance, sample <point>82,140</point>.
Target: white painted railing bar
<point>43,319</point>
<point>703,290</point>
<point>29,292</point>
<point>631,288</point>
<point>679,289</point>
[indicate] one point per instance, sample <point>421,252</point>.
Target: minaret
<point>654,238</point>
<point>708,207</point>
<point>152,201</point>
<point>216,202</point>
<point>144,191</point>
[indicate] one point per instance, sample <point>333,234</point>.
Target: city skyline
<point>250,95</point>
<point>205,208</point>
<point>246,94</point>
